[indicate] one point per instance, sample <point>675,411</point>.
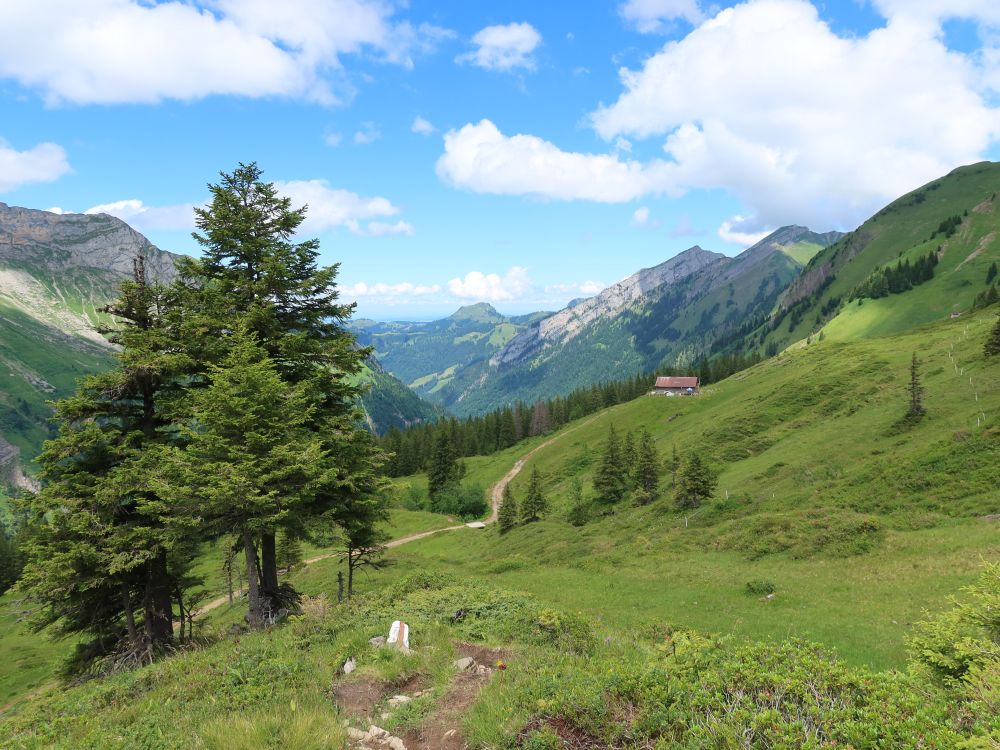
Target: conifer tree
<point>97,560</point>
<point>11,559</point>
<point>647,469</point>
<point>250,461</point>
<point>610,482</point>
<point>916,410</point>
<point>696,483</point>
<point>507,516</point>
<point>443,471</point>
<point>534,504</point>
<point>992,346</point>
<point>252,270</point>
<point>579,509</point>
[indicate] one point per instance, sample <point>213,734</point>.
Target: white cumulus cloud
<point>800,123</point>
<point>332,207</point>
<point>422,126</point>
<point>112,51</point>
<point>480,158</point>
<point>45,162</point>
<point>491,286</point>
<point>504,47</point>
<point>654,16</point>
<point>402,289</point>
<point>142,217</point>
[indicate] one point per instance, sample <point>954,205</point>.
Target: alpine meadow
<point>349,446</point>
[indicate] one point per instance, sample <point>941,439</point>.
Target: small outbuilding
<point>669,385</point>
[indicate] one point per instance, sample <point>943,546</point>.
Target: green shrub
<point>760,587</point>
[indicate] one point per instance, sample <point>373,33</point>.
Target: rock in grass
<point>399,700</point>
<point>465,663</point>
<point>350,665</point>
<point>378,641</point>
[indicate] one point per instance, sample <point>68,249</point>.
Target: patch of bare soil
<point>360,695</point>
<point>442,730</point>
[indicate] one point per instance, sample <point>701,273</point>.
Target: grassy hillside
<point>544,678</point>
<point>859,523</point>
<point>906,229</point>
<point>671,324</point>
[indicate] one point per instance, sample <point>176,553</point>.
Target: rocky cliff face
<point>570,321</point>
<point>59,269</point>
<point>60,242</point>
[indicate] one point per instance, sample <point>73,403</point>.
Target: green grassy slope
<point>859,525</point>
<point>425,356</point>
<point>902,230</point>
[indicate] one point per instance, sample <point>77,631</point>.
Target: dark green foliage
<point>611,480</point>
<point>991,273</point>
<point>992,346</point>
<point>412,450</point>
<point>948,227</point>
<point>647,470</point>
<point>466,501</point>
<point>444,470</point>
<point>760,587</point>
<point>97,557</point>
<point>695,483</point>
<point>898,278</point>
<point>11,559</point>
<point>507,517</point>
<point>289,551</point>
<point>580,510</point>
<point>534,503</point>
<point>986,298</point>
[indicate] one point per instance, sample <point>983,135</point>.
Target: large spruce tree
<point>253,269</point>
<point>250,462</point>
<point>102,535</point>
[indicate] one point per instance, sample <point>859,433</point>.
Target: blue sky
<point>518,153</point>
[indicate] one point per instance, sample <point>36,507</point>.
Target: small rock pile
<point>468,664</point>
<point>375,738</point>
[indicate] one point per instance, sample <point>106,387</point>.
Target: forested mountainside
<point>669,315</point>
<point>427,355</point>
<point>922,258</point>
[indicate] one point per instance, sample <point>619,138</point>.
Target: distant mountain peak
<point>480,311</point>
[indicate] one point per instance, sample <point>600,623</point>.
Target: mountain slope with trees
<point>921,258</point>
<point>673,315</point>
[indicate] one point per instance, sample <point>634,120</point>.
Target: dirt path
<point>496,498</point>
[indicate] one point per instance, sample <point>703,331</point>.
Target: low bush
<point>760,588</point>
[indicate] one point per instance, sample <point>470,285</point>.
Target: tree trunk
<point>133,634</point>
<point>157,603</point>
<point>256,607</point>
<point>268,565</point>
